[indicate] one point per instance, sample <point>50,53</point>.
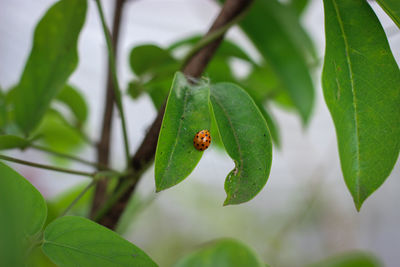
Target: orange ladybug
<point>202,140</point>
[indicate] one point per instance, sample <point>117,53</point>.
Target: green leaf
<point>12,141</point>
<point>75,101</point>
<point>186,113</point>
<point>147,58</point>
<point>22,212</point>
<point>283,44</point>
<point>29,205</point>
<point>298,5</point>
<point>392,8</point>
<point>76,241</point>
<point>350,259</point>
<point>53,58</point>
<point>246,138</point>
<point>135,89</point>
<point>3,110</point>
<point>361,83</point>
<point>219,71</point>
<point>158,89</point>
<point>221,253</point>
<point>55,132</point>
<point>155,67</point>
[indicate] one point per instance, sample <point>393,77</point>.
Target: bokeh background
<point>304,214</point>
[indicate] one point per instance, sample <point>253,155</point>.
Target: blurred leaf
<point>75,101</point>
<point>392,8</point>
<point>186,113</point>
<point>7,110</point>
<point>53,58</point>
<point>155,68</point>
<point>147,58</point>
<point>72,241</point>
<point>262,84</point>
<point>135,89</point>
<point>222,253</point>
<point>12,141</point>
<point>158,90</point>
<point>55,132</point>
<point>246,138</point>
<point>38,259</point>
<point>361,83</point>
<point>219,71</point>
<point>3,111</point>
<point>298,6</point>
<point>282,43</point>
<point>22,212</point>
<point>295,31</point>
<point>350,259</point>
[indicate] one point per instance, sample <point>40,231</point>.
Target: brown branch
<point>194,68</point>
<point>103,146</point>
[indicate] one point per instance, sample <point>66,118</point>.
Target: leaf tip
<point>358,205</point>
<point>158,190</point>
<point>227,201</point>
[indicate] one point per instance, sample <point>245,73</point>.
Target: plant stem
<point>81,194</point>
<point>47,167</point>
<point>103,146</point>
<point>117,90</point>
<point>123,188</point>
<point>71,157</point>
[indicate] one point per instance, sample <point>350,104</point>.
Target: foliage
<point>361,86</point>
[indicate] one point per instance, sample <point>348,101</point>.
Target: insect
<point>202,140</point>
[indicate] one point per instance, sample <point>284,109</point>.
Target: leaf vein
<point>351,76</point>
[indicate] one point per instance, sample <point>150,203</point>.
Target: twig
<point>47,167</point>
<point>194,68</point>
<point>103,146</point>
<point>117,90</point>
<point>67,156</point>
<point>212,36</point>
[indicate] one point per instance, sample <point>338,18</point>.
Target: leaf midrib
<point>353,91</point>
<point>82,251</point>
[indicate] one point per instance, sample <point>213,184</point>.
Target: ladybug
<point>202,140</point>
